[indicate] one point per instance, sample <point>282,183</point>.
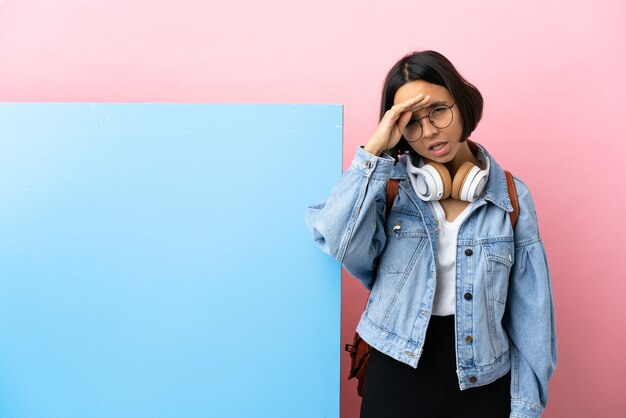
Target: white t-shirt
<point>444,303</point>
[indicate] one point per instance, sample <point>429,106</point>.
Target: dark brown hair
<point>434,68</point>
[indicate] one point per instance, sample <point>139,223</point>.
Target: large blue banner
<point>154,261</point>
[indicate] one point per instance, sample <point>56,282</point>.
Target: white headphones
<point>432,181</point>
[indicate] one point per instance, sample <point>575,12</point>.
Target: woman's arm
<point>530,320</point>
<point>349,225</point>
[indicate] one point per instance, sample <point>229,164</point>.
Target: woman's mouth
<point>439,148</point>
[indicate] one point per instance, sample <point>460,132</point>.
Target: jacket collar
<point>496,191</point>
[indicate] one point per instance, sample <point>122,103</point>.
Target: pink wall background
<point>552,75</point>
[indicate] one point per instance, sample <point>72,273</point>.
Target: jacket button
<point>469,339</point>
<point>468,296</point>
<point>469,252</point>
<point>408,353</point>
<point>473,379</point>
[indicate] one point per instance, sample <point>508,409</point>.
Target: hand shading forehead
<point>425,111</point>
<point>411,89</point>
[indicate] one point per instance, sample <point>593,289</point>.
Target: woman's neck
<point>463,155</point>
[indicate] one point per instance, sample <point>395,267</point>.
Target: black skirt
<point>397,390</point>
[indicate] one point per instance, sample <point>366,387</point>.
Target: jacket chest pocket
<point>406,237</point>
<point>500,259</point>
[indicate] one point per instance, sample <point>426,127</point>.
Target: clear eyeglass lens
<point>413,132</point>
<point>440,117</point>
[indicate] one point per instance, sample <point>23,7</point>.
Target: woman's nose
<point>428,129</point>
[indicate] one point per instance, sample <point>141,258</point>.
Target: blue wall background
<point>154,261</point>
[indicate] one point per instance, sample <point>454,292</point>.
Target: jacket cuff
<point>372,166</point>
<point>525,409</point>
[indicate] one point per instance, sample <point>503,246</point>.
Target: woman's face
<point>436,144</point>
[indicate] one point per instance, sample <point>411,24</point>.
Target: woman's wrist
<point>364,153</point>
<point>373,149</point>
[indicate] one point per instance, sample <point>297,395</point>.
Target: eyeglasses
<point>440,117</point>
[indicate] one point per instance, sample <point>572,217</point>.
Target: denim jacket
<point>504,307</point>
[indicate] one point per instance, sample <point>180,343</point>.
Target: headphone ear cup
<point>459,179</point>
<point>444,174</point>
<point>475,184</point>
<point>469,182</point>
<point>431,180</point>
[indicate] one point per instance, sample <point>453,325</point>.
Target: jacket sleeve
<point>530,320</point>
<point>349,224</point>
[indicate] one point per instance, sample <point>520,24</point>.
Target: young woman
<point>460,315</point>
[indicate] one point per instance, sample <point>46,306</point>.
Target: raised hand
<point>391,126</point>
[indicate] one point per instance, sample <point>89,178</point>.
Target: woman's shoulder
<point>523,191</point>
<point>527,229</point>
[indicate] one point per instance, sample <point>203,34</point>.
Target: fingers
<point>410,105</point>
<point>390,128</point>
<point>404,119</point>
<point>415,104</point>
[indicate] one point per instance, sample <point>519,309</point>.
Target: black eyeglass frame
<point>431,122</point>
